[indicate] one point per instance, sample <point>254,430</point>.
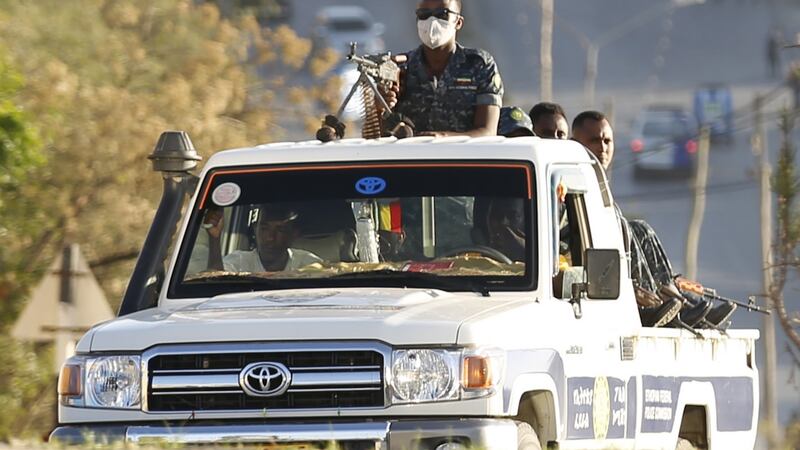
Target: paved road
<point>663,59</point>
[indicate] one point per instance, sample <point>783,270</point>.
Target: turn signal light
<point>69,381</point>
<point>477,373</point>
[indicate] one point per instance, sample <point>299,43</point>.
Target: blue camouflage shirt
<point>447,103</point>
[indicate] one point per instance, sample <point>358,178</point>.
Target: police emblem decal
<point>601,407</point>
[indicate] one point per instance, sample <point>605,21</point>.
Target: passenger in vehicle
<point>593,130</point>
<point>549,121</point>
<point>514,123</point>
<point>275,231</point>
<point>506,227</point>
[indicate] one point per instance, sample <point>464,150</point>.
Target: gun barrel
<point>748,306</point>
<point>362,61</point>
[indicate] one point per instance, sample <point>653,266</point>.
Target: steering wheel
<point>488,252</point>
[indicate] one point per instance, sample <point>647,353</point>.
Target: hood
<point>395,316</point>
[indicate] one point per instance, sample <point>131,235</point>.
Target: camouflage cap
<point>514,119</point>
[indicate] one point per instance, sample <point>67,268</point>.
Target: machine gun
<point>375,70</point>
<point>698,289</point>
<point>380,68</point>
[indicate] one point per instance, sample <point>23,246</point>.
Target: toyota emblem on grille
<point>265,379</point>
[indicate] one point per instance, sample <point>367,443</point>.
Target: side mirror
<point>601,278</point>
<point>602,273</point>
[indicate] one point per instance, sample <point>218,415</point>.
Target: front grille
<point>319,379</point>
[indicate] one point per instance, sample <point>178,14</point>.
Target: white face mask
<point>434,32</point>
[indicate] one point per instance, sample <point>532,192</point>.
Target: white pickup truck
<point>384,294</point>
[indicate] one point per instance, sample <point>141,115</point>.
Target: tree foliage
<point>25,384</point>
<point>786,186</point>
<point>103,79</point>
<point>26,390</point>
<point>19,156</point>
<point>19,142</point>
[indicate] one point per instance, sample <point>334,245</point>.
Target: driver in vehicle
<point>275,230</point>
<point>506,227</point>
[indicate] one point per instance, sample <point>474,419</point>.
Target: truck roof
<point>539,151</point>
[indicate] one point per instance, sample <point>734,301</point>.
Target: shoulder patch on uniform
<point>497,81</point>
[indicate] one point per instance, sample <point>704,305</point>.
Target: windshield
<point>451,226</point>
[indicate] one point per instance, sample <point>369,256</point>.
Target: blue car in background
<point>713,106</point>
<point>664,140</point>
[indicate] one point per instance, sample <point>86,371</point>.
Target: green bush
<point>27,390</point>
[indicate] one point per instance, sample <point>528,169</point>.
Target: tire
<point>683,444</point>
<point>526,437</point>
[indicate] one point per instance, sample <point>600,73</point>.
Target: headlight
<point>114,382</point>
<point>425,375</point>
<point>106,382</point>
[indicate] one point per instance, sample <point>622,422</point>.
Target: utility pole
<point>590,76</point>
<point>546,52</point>
<point>699,209</point>
<point>608,110</point>
<point>759,144</point>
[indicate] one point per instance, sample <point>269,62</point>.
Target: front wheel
<point>526,437</point>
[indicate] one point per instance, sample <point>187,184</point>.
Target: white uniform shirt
<point>249,261</point>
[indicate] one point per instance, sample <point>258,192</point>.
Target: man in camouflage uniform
<point>447,89</point>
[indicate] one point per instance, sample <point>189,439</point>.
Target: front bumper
<point>487,434</point>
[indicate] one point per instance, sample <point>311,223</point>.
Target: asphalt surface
<point>661,57</point>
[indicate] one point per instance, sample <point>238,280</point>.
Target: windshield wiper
<point>420,280</point>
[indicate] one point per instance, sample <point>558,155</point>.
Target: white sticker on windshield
<point>226,194</point>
